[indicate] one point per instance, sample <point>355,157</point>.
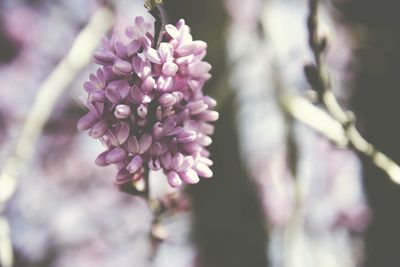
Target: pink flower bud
<point>122,111</point>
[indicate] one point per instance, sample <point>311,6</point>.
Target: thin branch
<point>156,9</point>
<point>48,93</point>
<point>157,231</point>
<point>292,228</point>
<point>319,80</point>
<point>151,4</point>
<point>312,24</point>
<point>304,111</point>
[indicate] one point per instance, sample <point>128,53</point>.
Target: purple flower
<point>147,106</point>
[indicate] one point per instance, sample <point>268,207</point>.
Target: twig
<point>48,93</point>
<point>151,4</point>
<point>295,221</point>
<point>156,9</point>
<point>303,110</point>
<point>157,231</point>
<point>319,80</point>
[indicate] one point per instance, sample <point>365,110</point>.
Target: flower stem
<point>156,9</point>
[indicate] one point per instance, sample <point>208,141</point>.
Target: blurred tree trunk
<point>229,227</point>
<point>375,25</point>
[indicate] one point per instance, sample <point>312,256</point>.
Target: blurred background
<point>282,195</point>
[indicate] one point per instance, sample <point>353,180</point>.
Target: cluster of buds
<point>146,105</point>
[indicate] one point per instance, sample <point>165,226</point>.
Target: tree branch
<point>344,125</point>
<point>156,9</point>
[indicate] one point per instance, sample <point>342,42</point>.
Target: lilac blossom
<point>146,105</point>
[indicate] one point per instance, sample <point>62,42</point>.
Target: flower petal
<point>197,69</point>
<point>208,115</point>
<point>133,145</point>
<point>145,143</point>
<point>148,84</point>
<point>133,47</point>
<point>172,31</point>
<point>123,177</point>
<point>122,67</point>
<point>98,129</point>
<point>186,164</point>
<point>142,111</point>
<point>196,107</point>
<point>122,111</point>
<point>166,160</point>
<point>87,121</point>
<point>186,136</point>
<point>155,149</point>
<point>101,159</point>
<point>169,69</point>
<point>120,50</point>
<point>177,161</point>
<point>173,179</point>
<point>165,51</point>
<point>116,155</point>
<point>113,95</point>
<point>186,49</point>
<point>135,164</point>
<point>203,170</point>
<point>103,57</point>
<point>136,95</point>
<point>157,130</point>
<point>123,132</point>
<point>167,99</point>
<point>152,55</point>
<point>189,176</point>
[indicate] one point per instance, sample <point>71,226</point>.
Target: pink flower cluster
<point>147,106</point>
